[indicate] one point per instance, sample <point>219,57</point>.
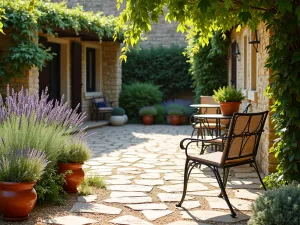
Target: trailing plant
<point>74,151</point>
<point>118,111</point>
<point>136,95</point>
<point>160,116</point>
<point>47,121</point>
<point>148,111</point>
<point>23,24</point>
<point>208,65</point>
<point>228,94</point>
<point>166,67</point>
<point>26,165</point>
<point>279,206</point>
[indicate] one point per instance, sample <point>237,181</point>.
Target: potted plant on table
<point>117,116</point>
<point>148,113</point>
<point>70,162</point>
<point>19,171</point>
<point>229,99</point>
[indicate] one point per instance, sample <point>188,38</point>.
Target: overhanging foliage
<point>25,19</point>
<point>203,17</point>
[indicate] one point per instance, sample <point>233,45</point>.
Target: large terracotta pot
<point>148,119</point>
<point>17,199</point>
<point>74,179</point>
<point>175,120</point>
<point>228,108</point>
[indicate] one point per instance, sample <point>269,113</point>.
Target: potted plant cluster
<point>229,99</point>
<point>117,116</point>
<point>175,112</point>
<point>148,113</point>
<point>19,171</point>
<point>70,162</point>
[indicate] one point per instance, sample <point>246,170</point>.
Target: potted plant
<point>175,112</point>
<point>148,112</point>
<point>229,99</point>
<point>19,171</point>
<point>117,116</point>
<point>73,155</point>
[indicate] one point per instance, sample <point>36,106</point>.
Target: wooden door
<point>76,75</point>
<point>233,64</point>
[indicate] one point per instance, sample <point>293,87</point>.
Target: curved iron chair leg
<point>257,171</point>
<point>187,171</point>
<point>225,179</point>
<point>218,177</point>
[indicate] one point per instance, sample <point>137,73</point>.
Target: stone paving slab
<point>94,208</point>
<point>117,181</point>
<point>120,194</point>
<point>155,214</point>
<point>149,182</point>
<point>150,176</point>
<point>122,177</point>
<point>129,220</point>
<point>179,187</point>
<point>168,197</point>
<point>129,187</point>
<point>148,206</point>
<point>184,222</point>
<point>67,220</point>
<point>247,194</point>
<point>129,200</point>
<point>220,203</point>
<point>88,198</point>
<point>189,205</point>
<point>213,216</point>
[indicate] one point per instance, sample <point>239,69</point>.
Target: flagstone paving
<point>143,167</point>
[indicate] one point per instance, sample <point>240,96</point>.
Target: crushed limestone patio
<point>143,168</point>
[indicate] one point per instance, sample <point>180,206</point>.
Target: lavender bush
<point>33,121</point>
<point>26,165</point>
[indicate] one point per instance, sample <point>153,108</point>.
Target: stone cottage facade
<point>246,71</point>
<point>77,60</point>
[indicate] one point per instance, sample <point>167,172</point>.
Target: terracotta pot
<point>185,120</point>
<point>228,108</point>
<point>17,199</point>
<point>148,119</point>
<point>175,120</point>
<point>74,179</point>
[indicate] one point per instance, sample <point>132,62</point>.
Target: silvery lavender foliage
<point>24,105</point>
<point>22,165</point>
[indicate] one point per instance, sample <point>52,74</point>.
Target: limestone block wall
<point>253,79</point>
<point>162,34</point>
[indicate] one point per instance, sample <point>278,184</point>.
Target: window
<point>90,70</point>
<point>245,61</point>
<point>253,68</point>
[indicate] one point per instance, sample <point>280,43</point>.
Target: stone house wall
<point>253,79</point>
<point>163,33</point>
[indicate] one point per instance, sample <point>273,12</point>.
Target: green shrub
<point>74,151</point>
<point>148,110</point>
<point>160,116</point>
<point>162,66</point>
<point>137,95</point>
<point>22,166</point>
<point>228,94</point>
<point>118,111</point>
<point>209,65</point>
<point>279,206</point>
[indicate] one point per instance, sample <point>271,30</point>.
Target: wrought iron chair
<point>100,105</point>
<point>240,147</point>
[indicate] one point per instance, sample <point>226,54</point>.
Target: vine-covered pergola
<point>201,18</point>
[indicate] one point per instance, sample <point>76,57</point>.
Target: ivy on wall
<point>23,24</point>
<point>166,67</point>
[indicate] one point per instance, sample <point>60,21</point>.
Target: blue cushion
<point>101,104</point>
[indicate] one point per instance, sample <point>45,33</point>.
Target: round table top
<point>205,106</point>
<point>212,116</point>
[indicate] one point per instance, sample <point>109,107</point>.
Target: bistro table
<point>217,117</point>
<point>206,106</point>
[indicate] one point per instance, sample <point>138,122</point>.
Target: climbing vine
<point>24,19</point>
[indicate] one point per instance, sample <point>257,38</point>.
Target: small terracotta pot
<point>184,120</point>
<point>17,199</point>
<point>74,179</point>
<point>175,120</point>
<point>148,119</point>
<point>228,108</point>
